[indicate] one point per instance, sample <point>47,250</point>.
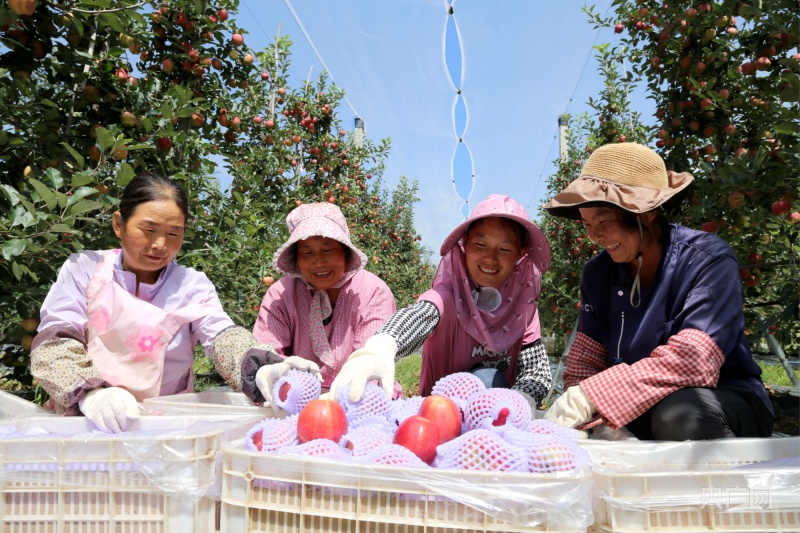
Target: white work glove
<point>111,409</point>
<point>267,375</point>
<point>374,361</point>
<point>572,408</point>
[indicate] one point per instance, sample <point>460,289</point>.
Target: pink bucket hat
<point>497,205</point>
<point>315,220</point>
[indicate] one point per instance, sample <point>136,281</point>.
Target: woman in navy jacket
<point>660,346</point>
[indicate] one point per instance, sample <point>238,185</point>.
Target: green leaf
<point>83,206</point>
<point>62,199</point>
<point>140,146</point>
<point>81,178</point>
<point>786,127</point>
<point>124,174</point>
<point>80,193</point>
<point>75,155</point>
<point>47,102</point>
<point>45,192</point>
<point>61,228</point>
<point>105,139</point>
<point>11,193</point>
<point>13,248</point>
<point>55,178</point>
<point>16,270</point>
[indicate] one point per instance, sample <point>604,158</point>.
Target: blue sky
<point>518,64</point>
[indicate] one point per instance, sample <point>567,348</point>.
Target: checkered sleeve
<point>624,392</point>
<point>411,326</point>
<point>586,358</point>
<point>534,377</point>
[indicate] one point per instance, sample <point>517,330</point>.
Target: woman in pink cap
<point>119,326</point>
<point>325,306</point>
<point>480,315</point>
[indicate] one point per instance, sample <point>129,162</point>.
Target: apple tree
<point>725,78</point>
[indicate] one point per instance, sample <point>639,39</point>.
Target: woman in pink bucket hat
<point>325,306</point>
<point>660,346</point>
<point>480,315</point>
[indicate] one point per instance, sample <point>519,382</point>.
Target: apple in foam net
<point>444,413</point>
<point>321,419</point>
<point>420,435</point>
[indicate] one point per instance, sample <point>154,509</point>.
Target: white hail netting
<point>480,449</point>
<point>403,408</point>
<point>547,453</point>
<point>521,64</point>
<point>375,402</point>
<point>274,433</point>
<point>303,387</point>
<point>493,408</point>
<point>363,439</point>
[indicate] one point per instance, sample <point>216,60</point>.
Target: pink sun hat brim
<point>315,220</point>
<point>497,205</point>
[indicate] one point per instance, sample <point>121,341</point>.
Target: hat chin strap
<point>636,290</point>
<point>487,298</point>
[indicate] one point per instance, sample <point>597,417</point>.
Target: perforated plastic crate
<point>268,493</point>
<point>217,402</point>
<point>730,485</point>
<point>162,476</point>
<point>12,406</point>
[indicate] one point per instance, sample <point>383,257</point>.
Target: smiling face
<point>322,261</point>
<point>492,248</point>
<point>605,226</point>
<point>150,238</point>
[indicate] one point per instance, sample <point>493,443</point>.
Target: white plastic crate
<point>161,476</point>
<point>721,486</point>
<point>12,406</point>
<point>267,493</point>
<point>217,402</point>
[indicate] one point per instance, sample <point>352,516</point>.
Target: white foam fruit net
<point>459,387</point>
<point>393,454</point>
<point>375,402</point>
<point>403,408</point>
<point>545,427</point>
<point>299,388</point>
<point>480,449</point>
<point>547,453</point>
<point>318,448</point>
<point>272,434</point>
<point>494,408</point>
<point>363,439</point>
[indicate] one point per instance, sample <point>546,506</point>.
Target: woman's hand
<point>374,361</point>
<point>267,375</point>
<point>573,408</point>
<point>110,409</point>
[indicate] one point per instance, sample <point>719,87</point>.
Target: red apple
<point>321,419</point>
<point>420,435</point>
<point>267,280</point>
<point>709,226</point>
<point>619,28</point>
<point>445,413</point>
<point>780,207</point>
<point>164,144</point>
<point>258,439</point>
<point>22,7</point>
<point>222,15</point>
<point>736,199</point>
<point>283,392</point>
<point>237,39</point>
<point>264,75</point>
<point>793,217</point>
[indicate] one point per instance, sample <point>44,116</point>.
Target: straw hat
<point>496,205</point>
<point>320,219</point>
<point>626,175</point>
